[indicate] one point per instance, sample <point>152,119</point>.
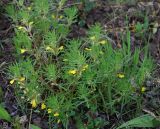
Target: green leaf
<point>34,127</point>
<point>50,72</point>
<point>4,114</point>
<point>139,27</point>
<point>142,121</point>
<point>71,12</point>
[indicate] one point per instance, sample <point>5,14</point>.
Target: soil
<point>113,19</point>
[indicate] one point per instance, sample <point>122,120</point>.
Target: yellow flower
<point>103,42</point>
<point>88,49</point>
<point>56,114</point>
<point>49,110</point>
<point>21,79</point>
<point>61,48</point>
<point>53,16</point>
<point>12,81</point>
<point>43,106</point>
<point>73,72</point>
<point>33,103</point>
<point>85,67</point>
<point>48,48</point>
<point>61,16</point>
<point>23,51</point>
<point>29,8</point>
<point>58,121</point>
<point>21,27</point>
<point>92,38</point>
<point>143,89</point>
<point>120,75</point>
<point>30,23</point>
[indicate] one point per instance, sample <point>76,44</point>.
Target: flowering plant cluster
<point>71,78</point>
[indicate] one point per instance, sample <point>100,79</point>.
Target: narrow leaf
<point>4,114</point>
<point>142,121</point>
<point>34,127</point>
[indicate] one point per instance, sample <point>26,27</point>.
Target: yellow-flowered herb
<point>88,49</point>
<point>12,81</point>
<point>143,89</point>
<point>23,51</point>
<point>120,75</point>
<point>85,67</point>
<point>21,79</point>
<point>49,110</point>
<point>72,72</point>
<point>48,48</point>
<point>102,42</point>
<point>43,106</point>
<point>61,48</point>
<point>56,114</point>
<point>33,103</point>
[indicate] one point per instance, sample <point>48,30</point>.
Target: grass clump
<point>72,79</point>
